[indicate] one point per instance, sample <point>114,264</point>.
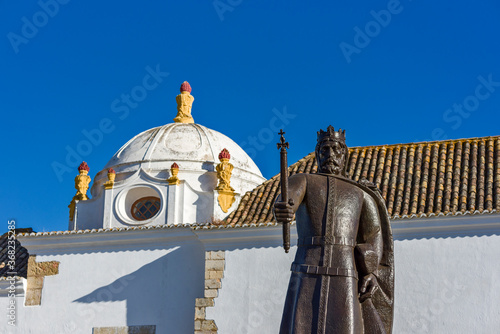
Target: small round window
<point>145,208</point>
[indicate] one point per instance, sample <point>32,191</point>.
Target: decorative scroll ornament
<point>174,170</point>
<point>224,169</point>
<point>82,185</point>
<point>184,104</point>
<point>111,179</point>
<point>226,200</point>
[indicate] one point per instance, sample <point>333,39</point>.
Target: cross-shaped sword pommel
<point>282,144</point>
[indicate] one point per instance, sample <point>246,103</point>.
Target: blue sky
<point>387,71</point>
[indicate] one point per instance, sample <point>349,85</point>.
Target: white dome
<point>146,191</point>
<point>192,146</point>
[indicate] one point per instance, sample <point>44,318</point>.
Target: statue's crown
<point>330,132</point>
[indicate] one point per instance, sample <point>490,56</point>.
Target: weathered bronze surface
<point>342,278</point>
<point>283,145</point>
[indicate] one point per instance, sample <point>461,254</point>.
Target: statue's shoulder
<point>366,183</point>
<point>371,186</point>
<point>314,178</point>
<point>308,180</point>
<point>371,192</point>
<point>304,176</point>
<point>350,186</point>
<point>364,186</point>
<point>298,176</point>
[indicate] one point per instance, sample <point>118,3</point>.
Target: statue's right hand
<point>283,212</point>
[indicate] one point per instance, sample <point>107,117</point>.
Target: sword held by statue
<point>283,145</point>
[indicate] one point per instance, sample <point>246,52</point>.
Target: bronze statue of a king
<point>342,279</point>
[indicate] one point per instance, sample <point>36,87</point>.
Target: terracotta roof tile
<point>424,184</point>
<point>464,181</point>
<point>489,175</point>
<point>480,180</point>
<point>387,173</point>
<point>473,181</point>
<point>417,176</point>
<point>420,179</point>
<point>497,175</point>
<point>379,173</point>
<point>455,195</point>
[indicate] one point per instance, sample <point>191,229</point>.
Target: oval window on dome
<point>145,208</point>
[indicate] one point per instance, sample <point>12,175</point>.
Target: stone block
<point>33,297</point>
<point>39,269</point>
<point>208,325</point>
<point>199,313</point>
<point>211,265</point>
<point>213,283</point>
<point>216,274</point>
<point>210,293</point>
<point>218,255</point>
<point>105,330</point>
<point>197,325</point>
<point>48,268</point>
<point>204,302</point>
<point>143,329</point>
<point>35,282</point>
<point>31,265</point>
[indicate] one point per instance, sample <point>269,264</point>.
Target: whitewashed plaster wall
<point>115,279</point>
<point>443,285</point>
<point>448,285</point>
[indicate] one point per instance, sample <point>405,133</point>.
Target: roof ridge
<point>428,142</point>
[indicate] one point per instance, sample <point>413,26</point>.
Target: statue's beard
<point>331,167</point>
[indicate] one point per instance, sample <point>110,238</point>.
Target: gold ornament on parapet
<point>174,171</point>
<point>111,179</point>
<point>224,169</point>
<point>81,185</point>
<point>184,104</point>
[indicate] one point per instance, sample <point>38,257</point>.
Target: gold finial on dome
<point>82,185</point>
<point>224,169</point>
<point>184,104</point>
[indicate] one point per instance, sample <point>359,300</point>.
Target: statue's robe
<point>342,226</point>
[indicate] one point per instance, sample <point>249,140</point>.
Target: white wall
<point>448,285</point>
<point>116,279</point>
<point>253,291</point>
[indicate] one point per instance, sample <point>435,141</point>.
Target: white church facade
<point>178,236</point>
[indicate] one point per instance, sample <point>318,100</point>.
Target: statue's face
<point>331,157</point>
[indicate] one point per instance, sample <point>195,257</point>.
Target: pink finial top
<point>84,166</point>
<point>175,165</point>
<point>111,171</point>
<point>224,154</point>
<point>185,87</point>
